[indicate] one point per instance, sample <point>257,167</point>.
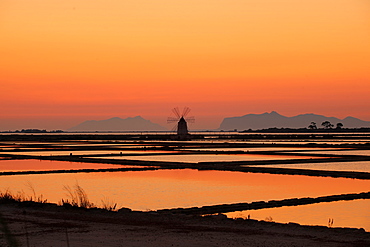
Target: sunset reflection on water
<point>160,189</point>
<point>344,214</point>
<point>48,165</point>
<point>195,158</point>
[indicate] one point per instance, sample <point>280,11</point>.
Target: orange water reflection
<point>84,152</point>
<point>253,149</point>
<point>344,214</point>
<point>358,166</point>
<point>194,158</point>
<point>184,188</point>
<point>47,165</point>
<point>341,152</point>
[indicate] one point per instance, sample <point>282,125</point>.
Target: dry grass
<point>77,197</point>
<point>8,196</point>
<point>35,198</point>
<point>108,204</point>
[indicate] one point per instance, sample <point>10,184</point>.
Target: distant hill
<point>118,124</point>
<point>274,119</point>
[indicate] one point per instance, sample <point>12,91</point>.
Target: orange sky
<point>63,62</point>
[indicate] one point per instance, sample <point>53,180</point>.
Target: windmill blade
<point>190,119</point>
<point>186,111</point>
<point>172,120</point>
<point>176,111</point>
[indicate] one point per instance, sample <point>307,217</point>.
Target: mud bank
<point>225,208</point>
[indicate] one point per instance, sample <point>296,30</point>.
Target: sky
<point>63,62</point>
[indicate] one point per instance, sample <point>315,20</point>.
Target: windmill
<point>181,121</point>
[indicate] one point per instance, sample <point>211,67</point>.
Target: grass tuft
<point>77,197</point>
<point>108,204</point>
<point>7,196</point>
<point>35,198</point>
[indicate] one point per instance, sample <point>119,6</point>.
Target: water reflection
<point>258,149</point>
<point>195,158</point>
<point>344,213</point>
<point>48,165</point>
<point>335,142</point>
<point>341,152</point>
<point>358,166</point>
<point>83,152</point>
<point>184,188</point>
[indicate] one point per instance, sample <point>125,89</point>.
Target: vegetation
<point>8,196</point>
<point>339,126</point>
<point>77,198</point>
<point>35,198</point>
<point>312,126</point>
<point>327,125</point>
<point>108,204</point>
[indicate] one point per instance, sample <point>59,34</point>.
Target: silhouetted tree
<point>312,126</point>
<point>327,125</point>
<point>339,125</point>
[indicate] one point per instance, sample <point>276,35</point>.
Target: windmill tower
<point>181,119</point>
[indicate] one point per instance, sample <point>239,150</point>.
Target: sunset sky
<point>63,62</point>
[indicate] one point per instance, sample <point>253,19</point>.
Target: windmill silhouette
<point>181,121</point>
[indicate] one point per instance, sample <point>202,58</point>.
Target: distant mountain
<point>274,119</point>
<point>118,124</point>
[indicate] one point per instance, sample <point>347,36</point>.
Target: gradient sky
<point>63,62</point>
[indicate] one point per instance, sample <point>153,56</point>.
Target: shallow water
<point>257,149</point>
<point>83,152</point>
<point>114,144</point>
<point>358,166</point>
<point>183,188</point>
<point>194,158</point>
<point>341,152</point>
<point>48,165</point>
<point>336,142</point>
<point>344,214</point>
